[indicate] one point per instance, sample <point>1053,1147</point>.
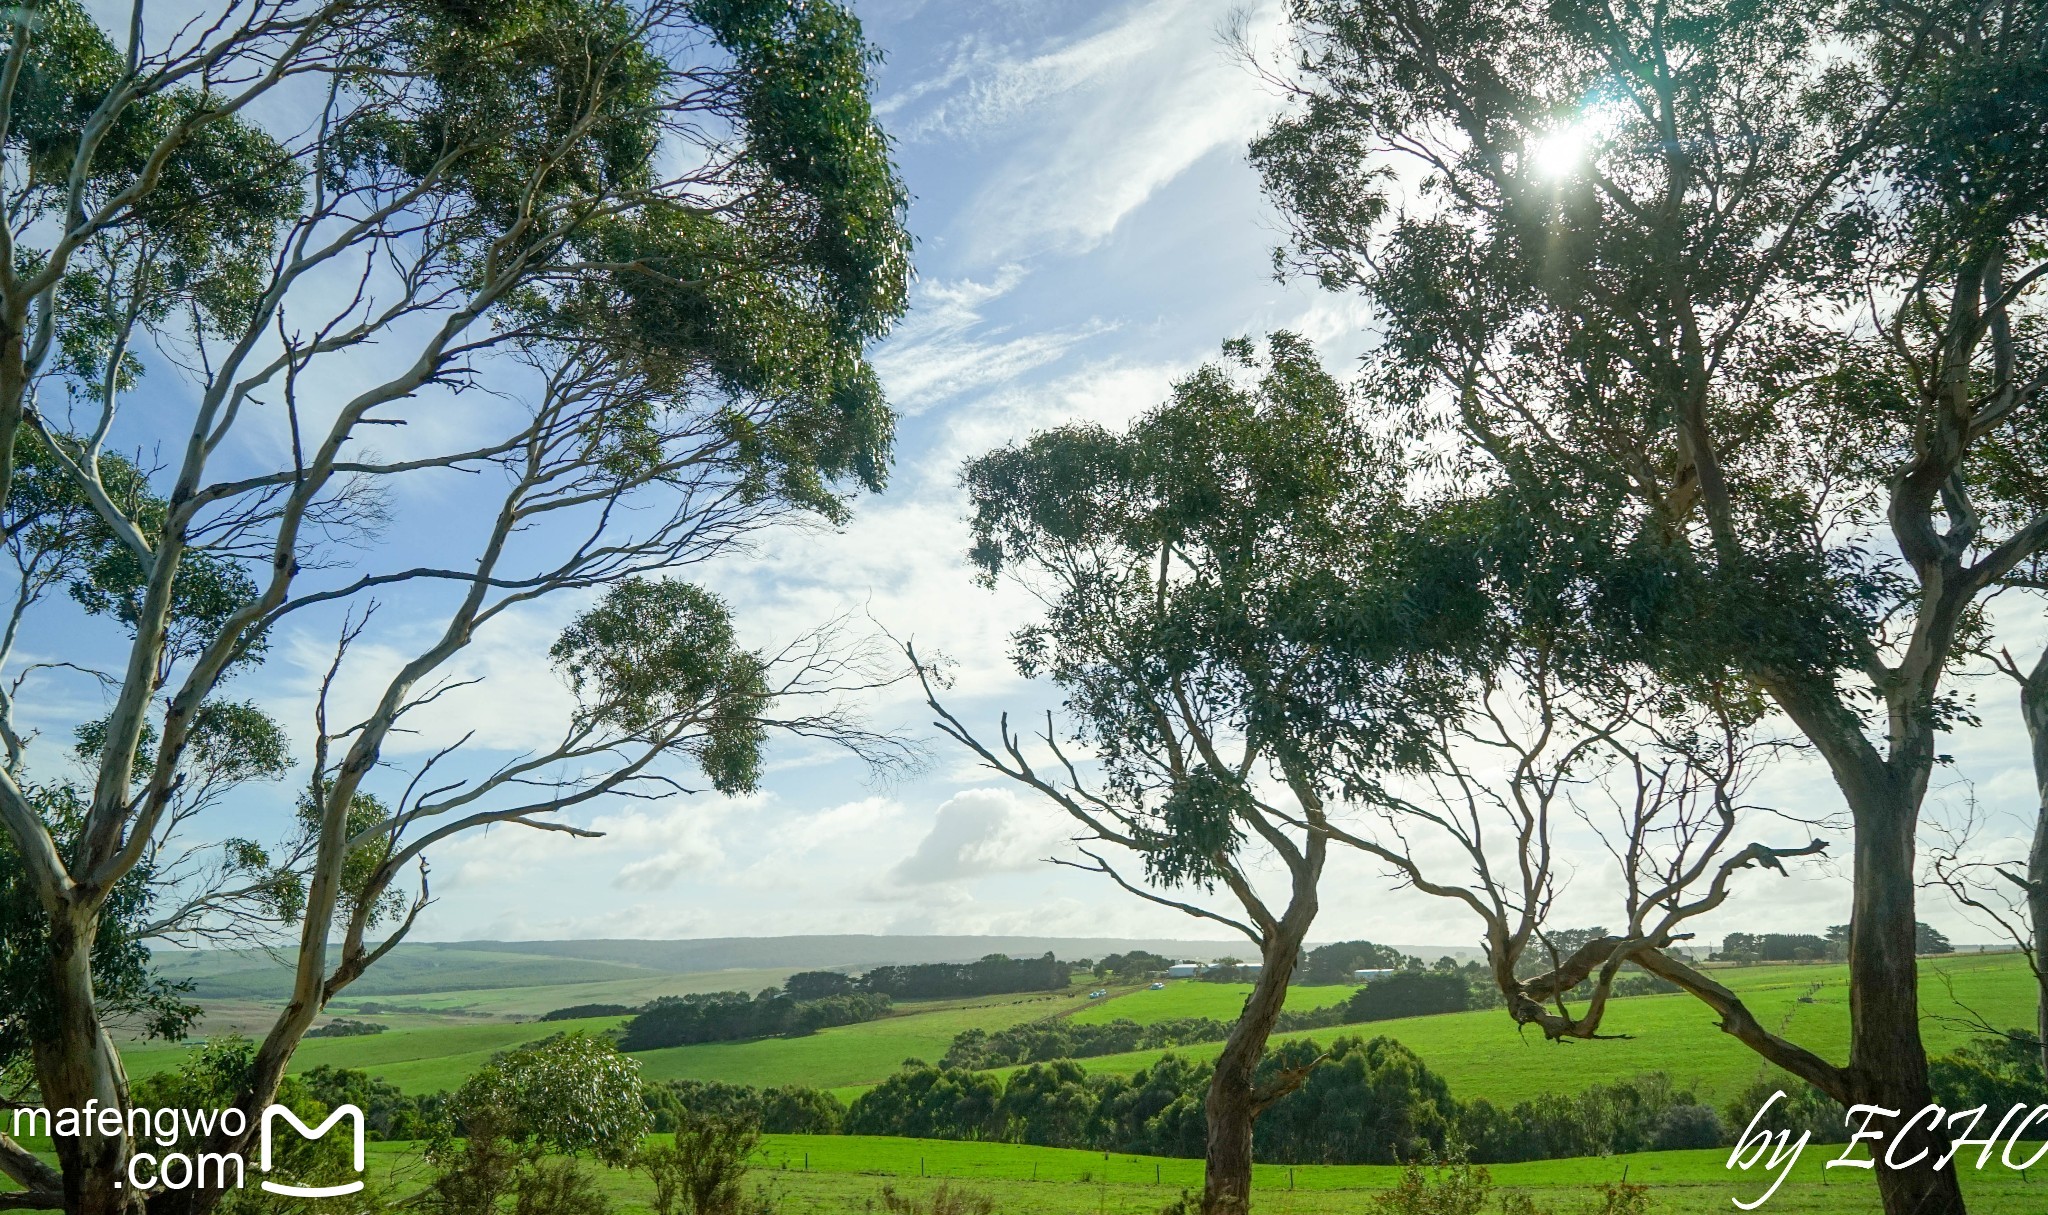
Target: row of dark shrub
<point>732,1016</point>
<point>1368,1102</point>
<point>1375,1102</point>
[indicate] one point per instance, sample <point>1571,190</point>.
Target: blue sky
<point>1087,231</point>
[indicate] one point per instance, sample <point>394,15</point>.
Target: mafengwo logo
<point>165,1128</point>
<point>270,1117</point>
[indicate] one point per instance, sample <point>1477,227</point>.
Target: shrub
<point>1367,1102</point>
<point>704,1168</point>
<point>1996,1072</point>
<point>342,1027</point>
<point>1410,993</point>
<point>789,1109</point>
<point>1804,1109</point>
<point>1689,1126</point>
<point>558,1187</point>
<point>1624,1198</point>
<point>212,1077</point>
<point>1455,1188</point>
<point>578,1012</point>
<point>925,1102</point>
<point>565,1095</point>
<point>474,1171</point>
<point>387,1112</point>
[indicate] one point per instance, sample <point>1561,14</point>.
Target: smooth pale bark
<point>78,1068</point>
<point>2034,710</point>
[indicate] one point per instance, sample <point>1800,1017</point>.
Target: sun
<point>1558,152</point>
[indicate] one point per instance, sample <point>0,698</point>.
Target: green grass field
<point>1482,1054</point>
<point>1029,1179</point>
<point>841,1174</point>
<point>533,1000</point>
<point>1479,1053</point>
<point>852,1056</point>
<point>230,974</point>
<point>417,1060</point>
<point>437,1057</point>
<point>1188,998</point>
<point>844,1174</point>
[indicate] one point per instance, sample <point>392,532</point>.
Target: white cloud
<point>665,845</point>
<point>1119,115</point>
<point>981,831</point>
<point>501,690</point>
<point>945,348</point>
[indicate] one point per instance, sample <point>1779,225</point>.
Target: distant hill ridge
<point>430,966</point>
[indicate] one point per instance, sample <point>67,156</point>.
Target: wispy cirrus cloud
<point>948,347</point>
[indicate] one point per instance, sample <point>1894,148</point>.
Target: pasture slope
<point>429,1049</point>
<point>1479,1052</point>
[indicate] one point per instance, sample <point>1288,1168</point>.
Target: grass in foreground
<point>841,1174</point>
<point>817,1175</point>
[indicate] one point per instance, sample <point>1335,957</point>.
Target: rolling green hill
<point>1479,1053</point>
<point>1482,1054</point>
<point>417,968</point>
<point>226,975</point>
<point>418,1060</point>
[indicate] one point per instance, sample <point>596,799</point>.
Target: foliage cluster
<point>789,1109</point>
<point>210,1079</point>
<point>1131,967</point>
<point>1337,963</point>
<point>994,975</point>
<point>579,1012</point>
<point>1362,1102</point>
<point>343,1027</point>
<point>1806,947</point>
<point>703,1169</point>
<point>732,1016</point>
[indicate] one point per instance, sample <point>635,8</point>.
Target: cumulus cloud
<point>977,832</point>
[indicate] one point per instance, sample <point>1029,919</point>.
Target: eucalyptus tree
<point>1759,287</point>
<point>2033,698</point>
<point>1194,566</point>
<point>598,273</point>
<point>2008,895</point>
